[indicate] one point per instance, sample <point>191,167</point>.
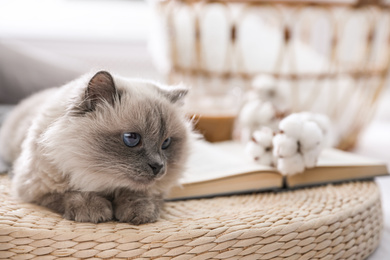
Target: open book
<point>224,168</point>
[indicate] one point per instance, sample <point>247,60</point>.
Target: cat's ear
<point>175,94</point>
<point>101,88</point>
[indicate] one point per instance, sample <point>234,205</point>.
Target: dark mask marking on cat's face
<point>161,145</point>
<point>145,163</point>
<point>135,107</point>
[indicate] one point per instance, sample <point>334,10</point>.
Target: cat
<point>99,148</point>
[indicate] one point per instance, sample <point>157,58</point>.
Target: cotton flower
<point>254,149</point>
<point>325,125</point>
<point>257,112</point>
<point>310,157</point>
<point>292,125</point>
<point>284,145</point>
<point>291,165</point>
<point>311,135</point>
<point>299,138</point>
<point>299,143</point>
<point>264,137</point>
<point>265,87</point>
<point>266,159</point>
<point>260,146</point>
<point>254,115</point>
<point>265,105</point>
<point>268,89</point>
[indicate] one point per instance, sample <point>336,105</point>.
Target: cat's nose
<point>156,167</point>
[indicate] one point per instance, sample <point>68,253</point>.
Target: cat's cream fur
<point>59,144</point>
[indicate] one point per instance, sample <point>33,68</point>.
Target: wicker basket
<point>331,56</point>
<point>329,222</point>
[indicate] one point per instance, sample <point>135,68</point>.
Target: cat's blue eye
<point>166,143</point>
<point>131,139</point>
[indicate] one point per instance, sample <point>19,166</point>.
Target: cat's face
<point>124,134</point>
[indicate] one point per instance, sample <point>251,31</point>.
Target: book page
<point>213,161</point>
<point>210,161</point>
<point>329,157</point>
<point>333,158</point>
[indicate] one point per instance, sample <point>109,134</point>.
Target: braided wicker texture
<point>330,222</point>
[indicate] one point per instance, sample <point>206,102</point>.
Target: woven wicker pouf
<point>329,222</point>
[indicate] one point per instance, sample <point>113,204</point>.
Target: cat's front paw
<point>87,207</point>
<point>138,211</point>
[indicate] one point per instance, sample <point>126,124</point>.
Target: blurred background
<point>46,43</point>
<point>330,57</point>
